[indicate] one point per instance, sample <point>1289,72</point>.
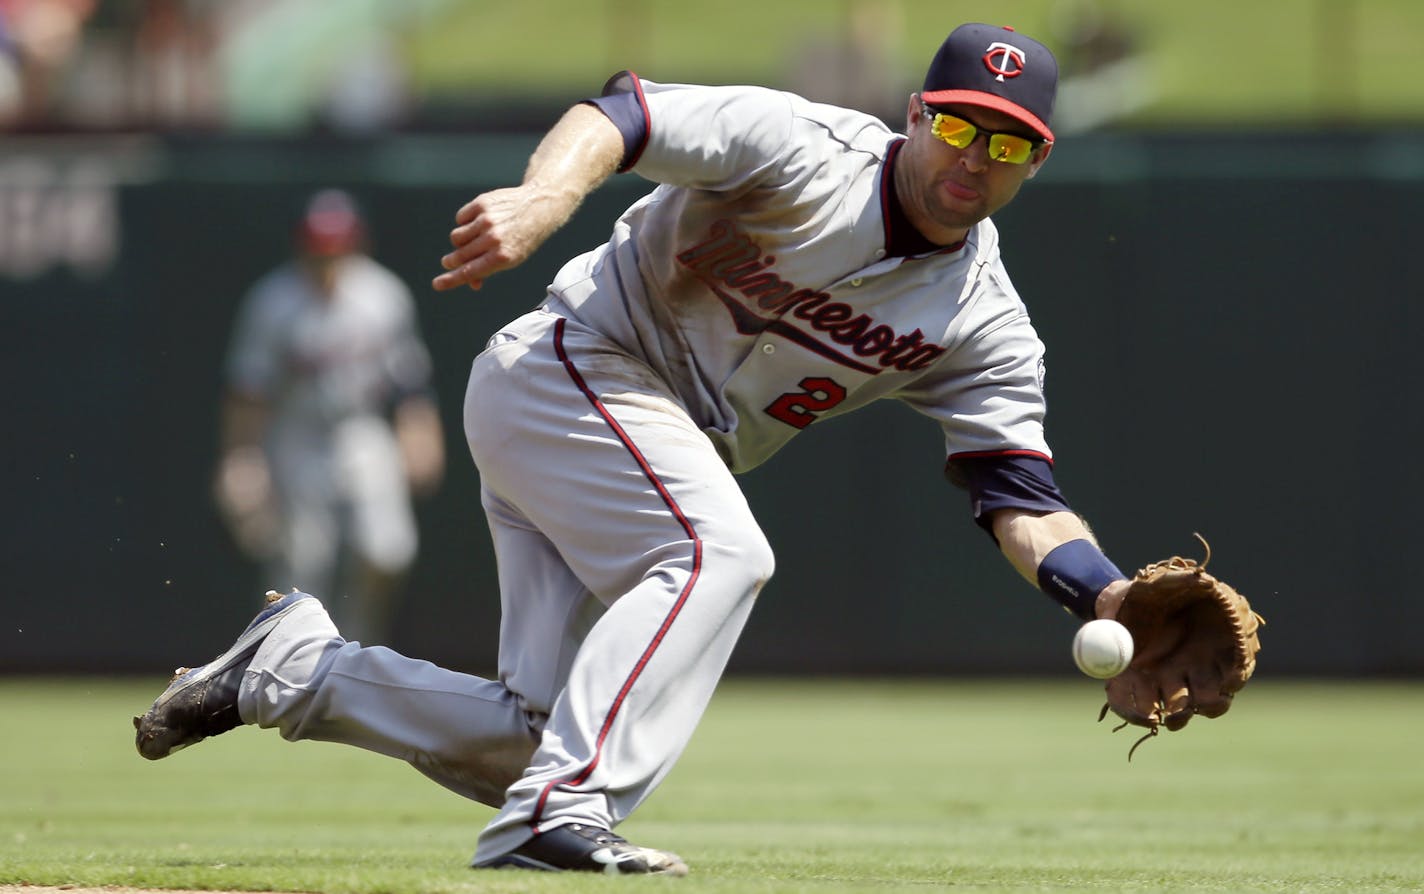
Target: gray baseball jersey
<point>322,359</point>
<point>765,322</point>
<point>752,293</point>
<point>328,367</point>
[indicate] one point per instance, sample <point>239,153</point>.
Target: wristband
<point>1074,573</point>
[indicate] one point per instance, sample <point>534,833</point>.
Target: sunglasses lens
<point>955,131</point>
<point>959,133</point>
<point>1009,148</point>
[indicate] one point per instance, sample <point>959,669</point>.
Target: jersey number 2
<point>798,408</point>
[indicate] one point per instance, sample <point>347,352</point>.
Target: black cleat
<point>587,849</point>
<point>202,702</point>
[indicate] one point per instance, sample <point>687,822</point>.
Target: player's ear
<point>912,113</point>
<point>1040,156</point>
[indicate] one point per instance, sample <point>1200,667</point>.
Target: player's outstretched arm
<point>1027,539</point>
<point>501,229</point>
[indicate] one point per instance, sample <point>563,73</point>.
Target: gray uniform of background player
<point>750,291</point>
<point>328,369</point>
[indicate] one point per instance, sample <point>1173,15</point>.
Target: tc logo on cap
<point>1005,60</point>
<point>995,68</point>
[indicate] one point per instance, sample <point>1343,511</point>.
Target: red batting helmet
<point>331,225</point>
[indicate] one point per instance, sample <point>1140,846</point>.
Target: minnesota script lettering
<point>730,262</point>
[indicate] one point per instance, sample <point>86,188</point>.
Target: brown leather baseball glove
<point>1195,645</point>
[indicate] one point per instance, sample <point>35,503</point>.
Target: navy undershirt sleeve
<point>622,101</point>
<point>1006,482</point>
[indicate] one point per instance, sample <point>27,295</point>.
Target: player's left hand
<point>1110,599</point>
<point>1196,641</point>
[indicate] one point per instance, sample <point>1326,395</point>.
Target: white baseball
<point>1102,648</point>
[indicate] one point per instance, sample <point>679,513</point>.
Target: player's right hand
<point>502,228</point>
<point>497,231</point>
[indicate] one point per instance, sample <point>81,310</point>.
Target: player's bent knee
<point>763,567</point>
<point>749,559</point>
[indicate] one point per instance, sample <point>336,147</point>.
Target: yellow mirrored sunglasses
<point>1006,147</point>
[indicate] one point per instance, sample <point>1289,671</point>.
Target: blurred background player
<point>328,424</point>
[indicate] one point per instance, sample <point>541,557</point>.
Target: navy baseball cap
<point>996,68</point>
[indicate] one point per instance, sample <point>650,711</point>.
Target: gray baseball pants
<point>628,564</point>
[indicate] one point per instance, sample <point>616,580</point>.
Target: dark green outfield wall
<point>1232,324</point>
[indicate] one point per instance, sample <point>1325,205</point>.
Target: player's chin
<point>960,216</point>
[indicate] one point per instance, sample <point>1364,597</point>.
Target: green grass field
<point>825,786</point>
<point>1269,62</point>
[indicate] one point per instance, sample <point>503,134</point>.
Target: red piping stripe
<point>980,454</point>
<point>647,120</point>
<point>681,598</point>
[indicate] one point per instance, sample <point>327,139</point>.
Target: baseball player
<point>795,262</point>
<point>329,422</point>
